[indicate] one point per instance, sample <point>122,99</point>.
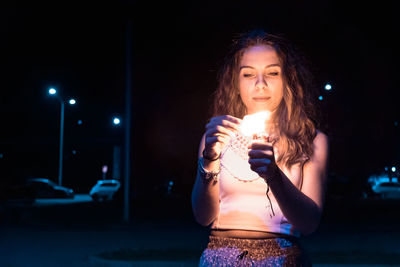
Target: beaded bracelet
<point>207,175</point>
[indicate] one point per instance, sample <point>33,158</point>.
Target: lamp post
<point>116,170</point>
<point>53,91</point>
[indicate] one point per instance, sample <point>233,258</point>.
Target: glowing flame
<point>254,123</point>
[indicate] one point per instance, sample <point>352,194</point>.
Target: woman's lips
<point>261,99</point>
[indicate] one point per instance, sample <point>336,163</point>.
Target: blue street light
<point>53,91</point>
<point>328,87</point>
<point>116,121</point>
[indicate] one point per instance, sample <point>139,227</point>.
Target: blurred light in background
<point>116,121</point>
<point>328,86</point>
<point>72,101</point>
<point>393,169</point>
<point>169,189</point>
<point>52,91</point>
<point>79,122</point>
<point>321,97</point>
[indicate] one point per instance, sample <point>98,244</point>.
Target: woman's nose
<point>261,83</point>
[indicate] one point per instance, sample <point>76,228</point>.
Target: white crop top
<point>244,204</point>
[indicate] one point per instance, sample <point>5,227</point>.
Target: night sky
<point>79,49</point>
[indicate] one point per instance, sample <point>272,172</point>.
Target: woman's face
<point>260,79</point>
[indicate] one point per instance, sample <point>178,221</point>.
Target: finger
<point>221,129</point>
<point>258,154</point>
<point>232,119</point>
<point>225,139</point>
<point>214,139</point>
<point>220,139</point>
<point>259,162</point>
<point>230,125</point>
<point>223,122</point>
<point>228,118</point>
<point>221,136</point>
<point>259,145</point>
<point>260,170</point>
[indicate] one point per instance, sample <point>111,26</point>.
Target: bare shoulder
<point>321,146</point>
<point>321,139</point>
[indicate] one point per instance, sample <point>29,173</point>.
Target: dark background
<point>176,51</point>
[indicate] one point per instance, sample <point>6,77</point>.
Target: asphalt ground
<point>352,233</point>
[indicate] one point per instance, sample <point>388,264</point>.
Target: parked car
<point>104,190</point>
<point>387,189</point>
<point>45,188</point>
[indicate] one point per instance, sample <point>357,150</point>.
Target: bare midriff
<point>245,234</point>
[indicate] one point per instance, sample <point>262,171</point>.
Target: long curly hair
<point>295,117</point>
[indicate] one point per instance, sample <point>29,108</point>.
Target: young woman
<point>259,196</point>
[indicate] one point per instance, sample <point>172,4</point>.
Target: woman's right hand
<point>218,133</point>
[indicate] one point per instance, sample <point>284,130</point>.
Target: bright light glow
<point>74,152</point>
<point>79,122</point>
<point>116,121</point>
<point>328,87</point>
<point>393,169</point>
<point>321,97</point>
<point>104,169</point>
<point>72,101</point>
<point>52,91</point>
<point>254,123</point>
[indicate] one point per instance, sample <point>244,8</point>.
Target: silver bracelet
<point>207,175</point>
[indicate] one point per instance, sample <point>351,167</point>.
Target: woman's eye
<point>247,75</point>
<point>273,73</point>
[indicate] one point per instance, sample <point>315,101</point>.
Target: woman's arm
<point>205,194</point>
<point>304,208</point>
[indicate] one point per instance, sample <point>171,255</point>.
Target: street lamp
<point>53,92</point>
<point>328,87</point>
<point>116,121</point>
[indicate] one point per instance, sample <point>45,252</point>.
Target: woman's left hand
<point>262,159</point>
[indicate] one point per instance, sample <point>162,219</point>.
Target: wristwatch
<point>207,175</point>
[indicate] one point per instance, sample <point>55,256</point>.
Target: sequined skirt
<point>223,251</point>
